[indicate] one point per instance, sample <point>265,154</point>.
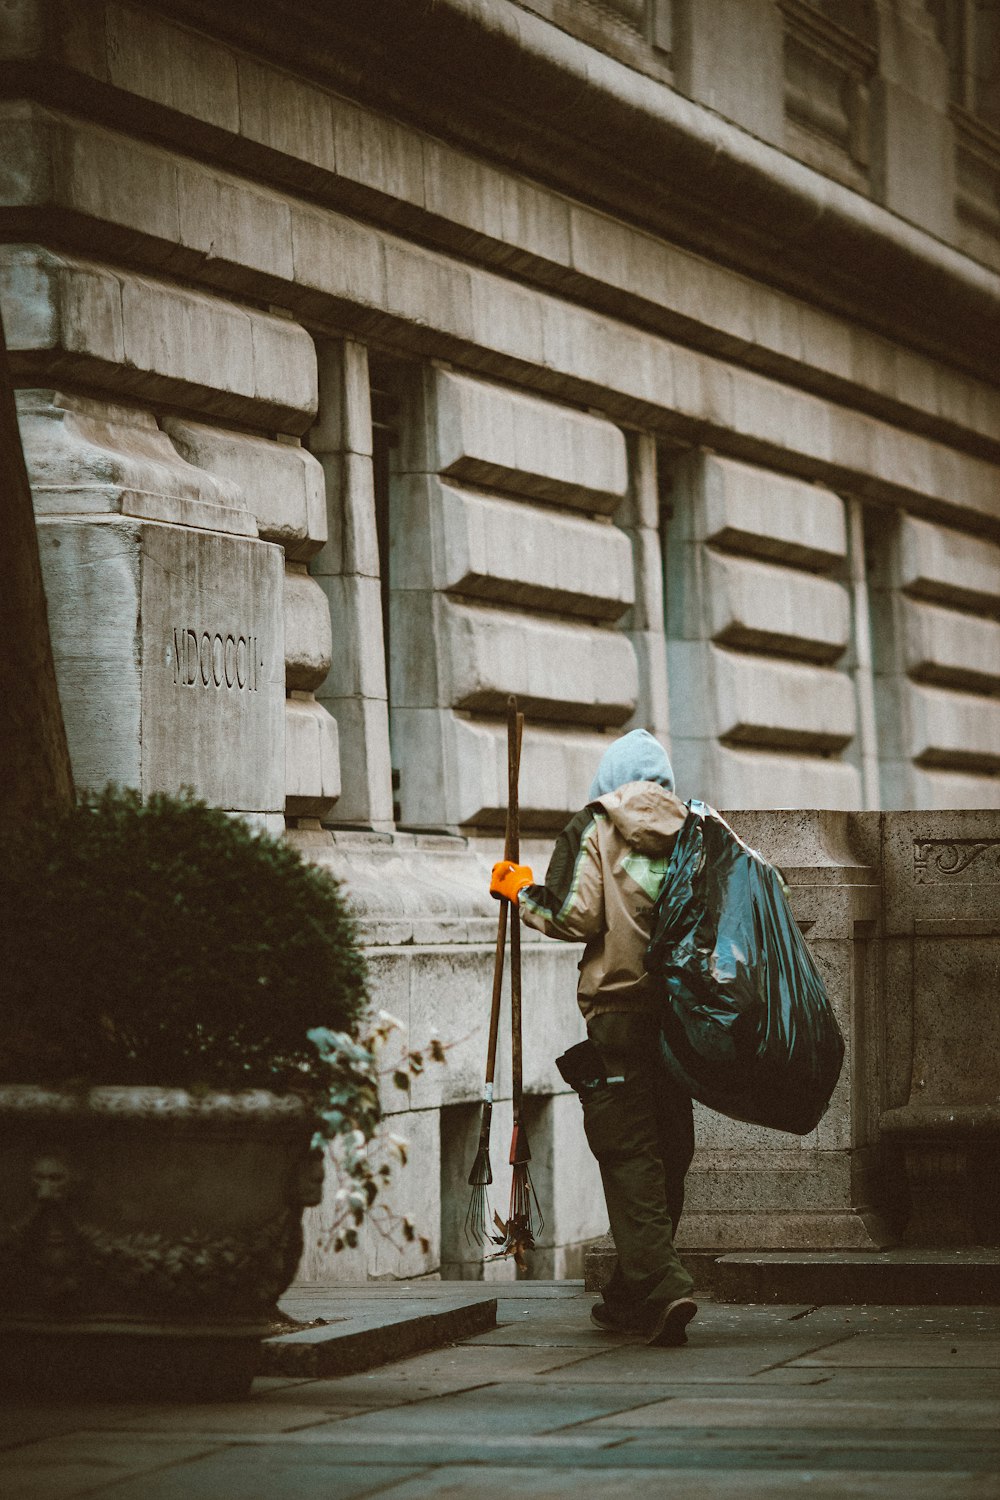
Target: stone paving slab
<point>78,1463</point>
<point>810,1412</point>
<point>252,1475</point>
<point>770,1401</point>
<point>794,1451</point>
<point>915,1384</point>
<point>728,1358</point>
<point>500,1409</point>
<point>467,1483</point>
<point>925,1351</point>
<point>456,1367</point>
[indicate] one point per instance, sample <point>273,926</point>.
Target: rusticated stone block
<point>312,763</point>
<point>950,648</point>
<point>308,636</point>
<point>152,56</point>
<point>746,509</point>
<point>281,484</point>
<point>951,567</point>
<point>496,437</point>
<point>761,778</point>
<point>450,655</point>
<point>509,552</point>
<point>954,731</point>
<point>456,771</point>
<point>286,114</point>
<point>143,338</point>
<point>507,319</point>
<point>169,650</point>
<point>933,789</point>
<point>758,606</point>
<point>777,703</point>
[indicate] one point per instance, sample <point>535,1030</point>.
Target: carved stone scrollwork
<point>936,860</point>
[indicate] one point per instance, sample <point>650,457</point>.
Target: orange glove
<point>508,879</point>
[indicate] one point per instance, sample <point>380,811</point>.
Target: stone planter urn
<point>145,1236</point>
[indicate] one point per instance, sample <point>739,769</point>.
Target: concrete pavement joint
<point>803,1354</point>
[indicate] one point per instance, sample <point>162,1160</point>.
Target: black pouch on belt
<point>581,1066</point>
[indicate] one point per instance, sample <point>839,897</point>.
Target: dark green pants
<point>642,1134</point>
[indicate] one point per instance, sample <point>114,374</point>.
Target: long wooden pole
<point>515,726</point>
<point>481,1175</point>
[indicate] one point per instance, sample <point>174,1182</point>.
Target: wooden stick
<point>511,845</point>
<point>482,1174</point>
<point>515,727</point>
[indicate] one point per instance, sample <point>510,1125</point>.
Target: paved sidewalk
<point>894,1403</point>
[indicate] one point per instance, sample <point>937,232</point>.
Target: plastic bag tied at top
<point>747,1025</point>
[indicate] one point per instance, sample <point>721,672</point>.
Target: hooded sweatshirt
<point>606,871</point>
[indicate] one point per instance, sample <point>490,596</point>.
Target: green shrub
<point>168,944</point>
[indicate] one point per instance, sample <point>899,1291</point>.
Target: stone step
<point>899,1277</point>
<point>599,1263</point>
<point>362,1326</point>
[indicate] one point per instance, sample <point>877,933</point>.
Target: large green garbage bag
<point>747,1025</point>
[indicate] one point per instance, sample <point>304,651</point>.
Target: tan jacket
<point>603,878</point>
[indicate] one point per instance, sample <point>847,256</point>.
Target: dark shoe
<point>668,1327</point>
<point>610,1321</point>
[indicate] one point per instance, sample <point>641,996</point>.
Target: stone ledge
<point>358,277</point>
<point>374,1329</point>
<point>888,1278</point>
<point>293,133</point>
<point>941,1121</point>
<point>513,65</point>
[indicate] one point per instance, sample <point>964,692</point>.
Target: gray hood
<point>637,756</point>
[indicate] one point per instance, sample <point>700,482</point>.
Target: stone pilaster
<point>914,146</point>
<point>348,570</point>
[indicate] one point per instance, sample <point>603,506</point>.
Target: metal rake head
<point>477,1219</point>
<point>524,1222</point>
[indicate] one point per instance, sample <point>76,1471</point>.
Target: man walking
<point>603,878</point>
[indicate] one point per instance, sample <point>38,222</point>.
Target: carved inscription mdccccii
<point>216,659</point>
<point>973,860</point>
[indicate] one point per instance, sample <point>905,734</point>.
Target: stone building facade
<point>638,357</point>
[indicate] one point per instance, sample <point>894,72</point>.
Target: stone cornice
<point>516,88</point>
